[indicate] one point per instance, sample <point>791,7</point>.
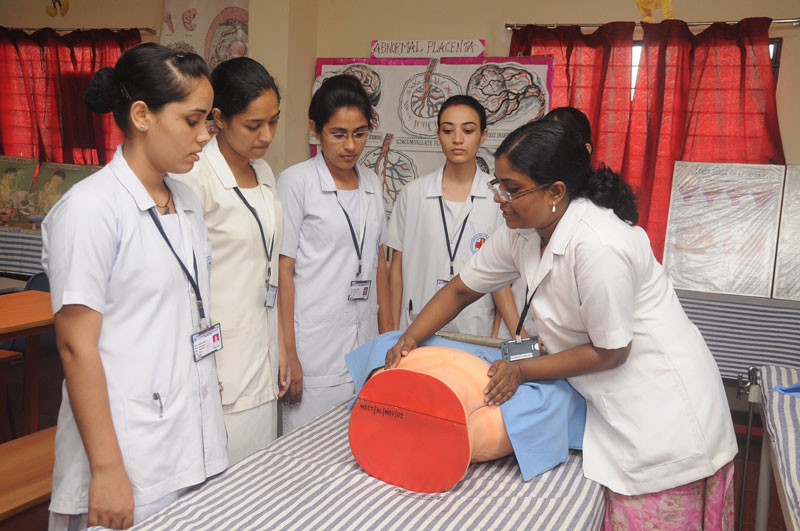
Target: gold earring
<point>554,207</point>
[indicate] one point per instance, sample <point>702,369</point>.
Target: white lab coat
<point>248,361</point>
<point>416,229</point>
<point>316,234</point>
<point>657,421</point>
<point>102,250</point>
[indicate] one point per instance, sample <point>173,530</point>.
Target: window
<point>774,53</point>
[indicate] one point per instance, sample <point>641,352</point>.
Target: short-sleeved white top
<point>316,234</point>
<point>102,250</point>
<point>416,229</point>
<point>660,419</point>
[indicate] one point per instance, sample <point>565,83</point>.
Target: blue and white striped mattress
<point>743,331</point>
<point>782,420</point>
<point>308,479</point>
<point>20,251</point>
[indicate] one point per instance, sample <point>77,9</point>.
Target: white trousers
<point>251,430</point>
<point>315,402</point>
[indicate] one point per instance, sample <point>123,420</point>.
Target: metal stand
<point>753,391</point>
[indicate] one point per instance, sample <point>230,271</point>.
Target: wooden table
<point>27,314</point>
<point>26,472</point>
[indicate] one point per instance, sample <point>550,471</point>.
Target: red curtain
<point>42,114</point>
<point>708,98</point>
<point>705,98</point>
<point>593,74</point>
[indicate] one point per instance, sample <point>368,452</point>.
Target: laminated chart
<point>787,264</point>
<point>722,230</point>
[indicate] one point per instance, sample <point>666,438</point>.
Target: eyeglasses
<point>505,195</point>
<point>340,137</point>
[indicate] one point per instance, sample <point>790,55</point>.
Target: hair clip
<point>180,55</point>
<point>125,91</point>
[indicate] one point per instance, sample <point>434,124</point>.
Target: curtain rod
<point>513,26</point>
<point>146,30</point>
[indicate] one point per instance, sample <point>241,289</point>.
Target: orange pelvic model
<point>419,425</point>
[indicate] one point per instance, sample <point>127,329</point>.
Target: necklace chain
<point>165,206</point>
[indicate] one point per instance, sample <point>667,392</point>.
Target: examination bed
<point>308,479</point>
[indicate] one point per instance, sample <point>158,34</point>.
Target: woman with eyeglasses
<point>658,433</point>
<point>334,292</point>
<point>441,220</point>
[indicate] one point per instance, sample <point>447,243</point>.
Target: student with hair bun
<point>127,255</point>
<point>237,190</point>
<point>658,433</point>
<point>575,120</point>
<point>334,292</point>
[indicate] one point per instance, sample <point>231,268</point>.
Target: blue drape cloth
<point>543,419</point>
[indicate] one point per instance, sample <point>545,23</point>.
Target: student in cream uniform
<point>658,433</point>
<point>334,287</point>
<point>126,252</point>
<point>441,220</point>
<point>230,179</point>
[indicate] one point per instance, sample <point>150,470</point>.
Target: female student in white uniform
<point>244,217</point>
<point>578,122</point>
<point>334,288</point>
<point>658,427</point>
<point>439,221</point>
<point>126,252</point>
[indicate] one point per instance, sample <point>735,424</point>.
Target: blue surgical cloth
<point>793,390</point>
<point>543,419</point>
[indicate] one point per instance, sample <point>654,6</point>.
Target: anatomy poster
<point>406,95</point>
<point>787,265</point>
<point>722,230</point>
<point>213,29</point>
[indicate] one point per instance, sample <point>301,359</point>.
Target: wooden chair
<point>6,420</point>
<point>26,471</point>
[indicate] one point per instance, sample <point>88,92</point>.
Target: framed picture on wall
<point>16,178</point>
<point>406,95</point>
<point>722,230</point>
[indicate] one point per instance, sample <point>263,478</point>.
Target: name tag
<point>207,341</point>
<point>359,290</point>
<point>441,283</point>
<point>272,296</point>
<point>527,348</point>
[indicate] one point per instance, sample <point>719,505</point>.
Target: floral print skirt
<point>703,504</point>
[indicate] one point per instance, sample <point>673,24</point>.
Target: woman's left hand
<point>505,378</point>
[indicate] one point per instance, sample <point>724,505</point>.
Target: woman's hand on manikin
<point>505,377</point>
<point>400,350</point>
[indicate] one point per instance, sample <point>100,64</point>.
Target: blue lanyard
<point>189,277</point>
<point>268,252</point>
<point>359,250</point>
<point>452,254</point>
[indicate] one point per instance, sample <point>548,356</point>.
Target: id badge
<point>272,296</point>
<point>527,348</point>
<point>359,290</point>
<point>207,341</point>
<point>441,283</point>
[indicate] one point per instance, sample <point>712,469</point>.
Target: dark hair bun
<point>96,96</point>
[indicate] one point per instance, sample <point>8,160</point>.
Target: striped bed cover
<point>782,419</point>
<point>743,331</point>
<point>308,479</point>
<point>20,251</point>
